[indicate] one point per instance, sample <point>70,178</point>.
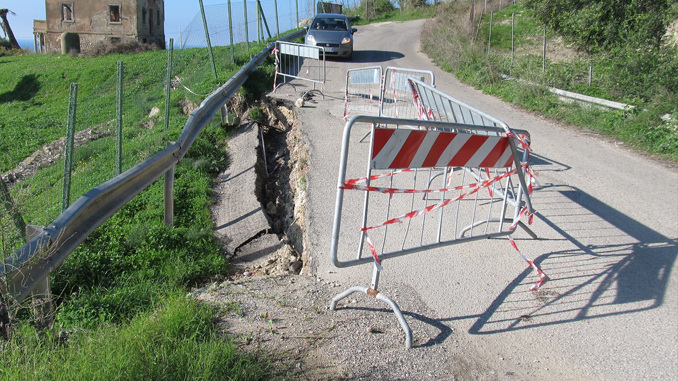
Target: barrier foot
<point>384,298</point>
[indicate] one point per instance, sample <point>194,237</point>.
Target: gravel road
<point>607,224</point>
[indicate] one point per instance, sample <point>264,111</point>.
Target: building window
<point>143,15</point>
<point>114,11</point>
<point>150,20</point>
<point>157,18</point>
<point>67,11</point>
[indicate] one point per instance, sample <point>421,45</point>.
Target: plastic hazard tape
<point>357,184</point>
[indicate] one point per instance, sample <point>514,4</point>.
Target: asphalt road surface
<point>607,222</point>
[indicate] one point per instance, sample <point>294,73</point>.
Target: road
<point>607,222</point>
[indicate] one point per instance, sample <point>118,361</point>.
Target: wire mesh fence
<point>35,185</point>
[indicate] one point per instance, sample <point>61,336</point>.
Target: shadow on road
<point>624,269</point>
<point>375,56</point>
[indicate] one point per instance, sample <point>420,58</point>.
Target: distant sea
<point>26,43</point>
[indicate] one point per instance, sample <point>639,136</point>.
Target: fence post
<point>277,26</point>
<point>118,121</point>
<point>247,28</point>
<point>263,19</point>
<point>168,195</point>
<point>230,30</point>
<point>207,37</point>
<point>543,60</point>
<point>17,218</point>
<point>590,73</point>
<point>513,36</point>
<point>168,83</point>
<point>489,42</point>
<point>256,6</point>
<point>68,156</point>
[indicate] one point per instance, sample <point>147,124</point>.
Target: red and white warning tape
<point>358,184</point>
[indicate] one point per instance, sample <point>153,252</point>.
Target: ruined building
<point>79,24</point>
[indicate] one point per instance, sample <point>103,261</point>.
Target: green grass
<point>122,290</point>
<point>175,341</point>
<point>646,80</point>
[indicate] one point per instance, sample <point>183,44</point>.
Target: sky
<point>177,12</point>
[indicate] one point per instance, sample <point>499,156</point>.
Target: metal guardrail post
<point>68,156</point>
<point>42,296</point>
<point>168,194</point>
<point>17,218</point>
<point>118,121</point>
<point>168,83</point>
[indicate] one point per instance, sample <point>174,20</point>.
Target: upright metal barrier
<point>405,212</point>
<point>363,91</point>
<point>299,61</point>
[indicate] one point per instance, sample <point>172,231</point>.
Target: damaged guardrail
<point>33,262</point>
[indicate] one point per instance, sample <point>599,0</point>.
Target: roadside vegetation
<point>121,310</point>
<point>633,61</point>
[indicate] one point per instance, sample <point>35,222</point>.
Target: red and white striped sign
<point>403,148</point>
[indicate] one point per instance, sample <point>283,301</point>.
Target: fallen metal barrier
<point>32,263</point>
<point>482,193</point>
<point>299,61</point>
<point>396,95</point>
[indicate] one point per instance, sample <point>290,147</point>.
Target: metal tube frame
<point>359,260</point>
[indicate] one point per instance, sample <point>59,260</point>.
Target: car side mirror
<point>353,30</point>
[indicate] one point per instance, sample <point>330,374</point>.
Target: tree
<point>595,25</point>
<point>7,29</point>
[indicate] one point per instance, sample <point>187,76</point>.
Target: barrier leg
<point>376,294</point>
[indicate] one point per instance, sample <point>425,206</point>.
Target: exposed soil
<point>50,153</point>
<point>272,312</point>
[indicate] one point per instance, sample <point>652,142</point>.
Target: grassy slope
<point>447,40</point>
<point>126,284</point>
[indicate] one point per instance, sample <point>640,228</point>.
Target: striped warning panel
<point>403,148</point>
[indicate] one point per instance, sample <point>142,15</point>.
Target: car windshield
<point>330,23</point>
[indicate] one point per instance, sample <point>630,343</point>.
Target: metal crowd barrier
<point>433,104</point>
<point>30,265</point>
<point>373,91</point>
<point>362,93</point>
<point>396,96</point>
<point>480,192</point>
<point>299,61</point>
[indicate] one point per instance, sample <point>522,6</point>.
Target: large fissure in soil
<point>281,184</point>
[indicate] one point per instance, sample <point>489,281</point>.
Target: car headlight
<point>346,40</point>
<point>310,40</point>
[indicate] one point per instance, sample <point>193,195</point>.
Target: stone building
<point>79,24</point>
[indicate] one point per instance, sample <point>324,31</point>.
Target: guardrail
<point>41,255</point>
